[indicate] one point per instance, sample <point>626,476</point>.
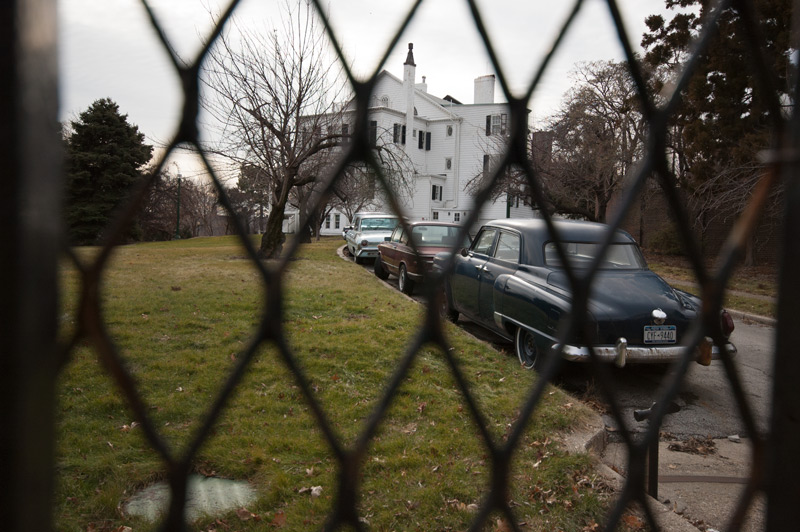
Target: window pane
<point>580,255</point>
<point>484,242</point>
<point>372,224</point>
<point>508,247</point>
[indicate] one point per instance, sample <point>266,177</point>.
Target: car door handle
<point>481,268</point>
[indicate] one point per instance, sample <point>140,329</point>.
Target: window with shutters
<point>496,124</point>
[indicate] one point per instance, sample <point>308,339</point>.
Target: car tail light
<point>727,323</point>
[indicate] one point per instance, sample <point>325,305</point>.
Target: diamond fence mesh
<point>32,242</point>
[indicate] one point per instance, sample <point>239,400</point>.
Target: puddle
<point>206,496</point>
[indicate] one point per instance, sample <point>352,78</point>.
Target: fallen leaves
<point>633,522</point>
<point>279,519</point>
<point>458,505</point>
<point>701,446</point>
<point>245,515</point>
<point>315,491</point>
<point>94,527</point>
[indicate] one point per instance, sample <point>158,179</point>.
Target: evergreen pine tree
<point>104,157</point>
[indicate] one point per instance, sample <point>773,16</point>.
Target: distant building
<point>448,143</point>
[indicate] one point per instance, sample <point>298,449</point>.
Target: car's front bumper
<point>622,353</point>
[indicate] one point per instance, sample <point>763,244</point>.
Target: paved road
<point>707,403</point>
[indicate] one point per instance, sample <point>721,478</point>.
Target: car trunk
<point>622,304</point>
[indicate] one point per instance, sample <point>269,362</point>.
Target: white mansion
<point>448,143</point>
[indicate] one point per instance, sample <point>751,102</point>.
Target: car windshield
<point>580,255</point>
<point>435,236</point>
<point>378,224</point>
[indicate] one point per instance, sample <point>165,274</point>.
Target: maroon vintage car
<point>397,257</point>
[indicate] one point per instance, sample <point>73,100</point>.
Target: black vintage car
<point>511,280</point>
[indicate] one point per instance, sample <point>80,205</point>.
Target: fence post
<point>651,470</point>
<point>30,218</point>
<point>783,460</point>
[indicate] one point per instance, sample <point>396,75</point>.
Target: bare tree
<point>592,142</point>
<point>206,210</point>
<point>274,97</point>
<point>159,218</point>
<point>355,191</point>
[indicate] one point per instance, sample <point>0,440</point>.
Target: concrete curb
<point>592,438</point>
<point>744,316</point>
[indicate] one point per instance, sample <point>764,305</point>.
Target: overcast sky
<point>108,48</point>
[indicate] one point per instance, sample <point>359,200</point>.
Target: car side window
<point>484,242</point>
<point>508,247</point>
<point>397,232</point>
<point>403,237</point>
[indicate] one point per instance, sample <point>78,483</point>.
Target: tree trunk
<point>304,234</point>
<point>273,238</point>
<point>749,251</point>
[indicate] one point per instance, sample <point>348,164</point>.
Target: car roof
<point>568,230</point>
<point>377,214</point>
<point>415,223</point>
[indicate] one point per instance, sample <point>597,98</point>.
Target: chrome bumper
<point>366,252</point>
<point>622,353</point>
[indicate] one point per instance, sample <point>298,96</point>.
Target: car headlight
<point>364,243</point>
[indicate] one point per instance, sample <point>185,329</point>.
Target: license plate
<point>660,334</point>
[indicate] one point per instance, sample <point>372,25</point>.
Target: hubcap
<point>528,349</point>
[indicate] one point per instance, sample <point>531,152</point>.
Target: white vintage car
<point>368,230</point>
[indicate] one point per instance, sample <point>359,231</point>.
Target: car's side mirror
<point>464,252</point>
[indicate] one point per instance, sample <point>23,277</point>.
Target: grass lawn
<point>753,283</point>
<point>181,314</point>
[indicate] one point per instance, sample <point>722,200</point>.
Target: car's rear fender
<point>520,301</point>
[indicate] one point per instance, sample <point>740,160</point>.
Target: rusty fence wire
<point>32,241</point>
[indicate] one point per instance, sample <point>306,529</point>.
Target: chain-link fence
<point>32,242</point>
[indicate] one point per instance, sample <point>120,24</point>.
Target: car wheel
<point>445,310</point>
<point>525,346</point>
<point>379,270</point>
<point>405,284</point>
